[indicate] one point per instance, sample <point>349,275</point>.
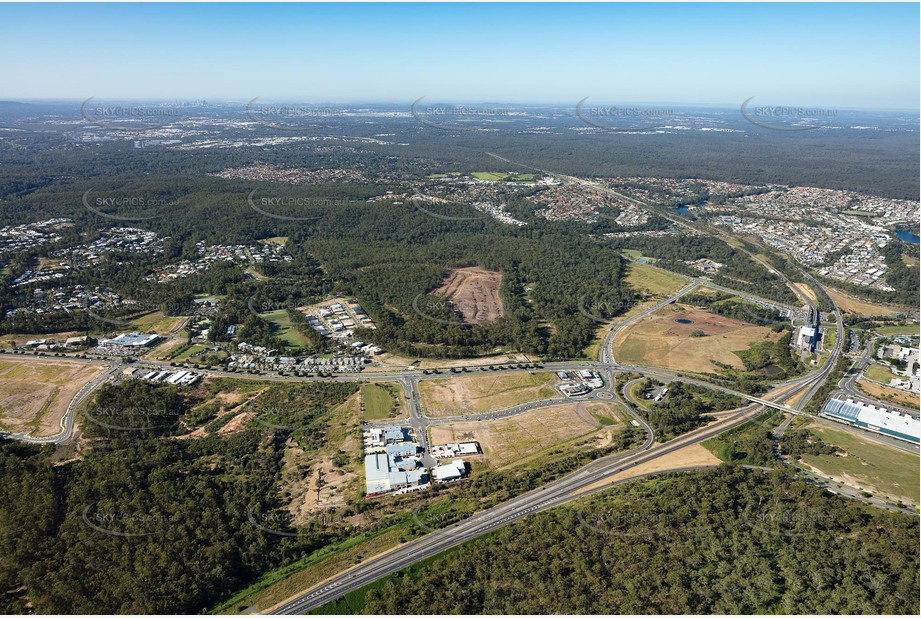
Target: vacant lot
<point>911,330</point>
<point>474,293</point>
<point>511,441</point>
<point>803,288</point>
<point>660,340</point>
<point>653,281</point>
<point>869,465</point>
<point>158,322</point>
<point>494,391</point>
<point>285,330</point>
<point>35,393</point>
<point>849,304</point>
<point>879,373</point>
<point>383,401</point>
<point>885,393</point>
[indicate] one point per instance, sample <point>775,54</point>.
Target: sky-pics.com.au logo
<point>448,210</point>
<point>788,520</point>
<point>787,117</point>
<point>624,522</point>
<point>267,416</point>
<point>301,209</point>
<point>133,116</point>
<point>440,520</point>
<point>599,310</point>
<point>125,523</point>
<point>460,117</point>
<point>294,118</point>
<point>291,525</point>
<point>260,308</point>
<point>622,118</point>
<point>443,311</point>
<point>133,418</point>
<point>103,205</point>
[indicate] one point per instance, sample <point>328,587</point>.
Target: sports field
<point>692,344</point>
<point>471,395</point>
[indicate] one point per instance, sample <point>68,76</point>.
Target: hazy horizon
<point>848,56</point>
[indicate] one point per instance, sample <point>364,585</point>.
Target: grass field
<point>35,393</point>
<point>860,213</point>
<point>659,341</point>
<point>849,304</point>
<point>157,322</point>
<point>275,240</point>
<point>892,395</point>
<point>829,337</point>
<point>654,281</point>
<point>284,330</point>
<point>879,373</point>
<point>383,401</point>
<point>516,440</point>
<point>892,331</point>
<point>490,176</point>
<point>872,465</point>
<point>185,354</point>
<point>470,395</point>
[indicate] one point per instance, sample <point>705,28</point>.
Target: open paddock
<point>443,397</point>
<point>686,339</point>
<point>514,440</point>
<point>35,393</point>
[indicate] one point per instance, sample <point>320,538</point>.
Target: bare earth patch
<point>35,393</point>
<point>474,293</point>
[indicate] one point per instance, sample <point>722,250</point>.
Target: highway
<point>589,478</point>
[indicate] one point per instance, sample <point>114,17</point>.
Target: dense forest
<point>143,524</point>
<point>723,541</point>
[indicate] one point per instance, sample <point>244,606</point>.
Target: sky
<point>847,56</point>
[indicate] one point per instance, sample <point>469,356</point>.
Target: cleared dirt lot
<point>492,391</point>
<point>474,293</point>
<point>35,393</point>
<point>510,441</point>
<point>661,341</point>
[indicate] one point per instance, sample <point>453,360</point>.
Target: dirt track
<point>474,293</point>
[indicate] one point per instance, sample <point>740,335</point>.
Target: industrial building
<point>453,471</point>
<point>872,418</point>
<point>582,382</point>
<point>443,451</point>
<point>132,340</point>
<point>385,473</point>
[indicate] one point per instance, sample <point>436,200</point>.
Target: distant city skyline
<point>845,56</point>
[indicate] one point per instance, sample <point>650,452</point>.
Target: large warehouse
<point>385,473</point>
<point>869,417</point>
